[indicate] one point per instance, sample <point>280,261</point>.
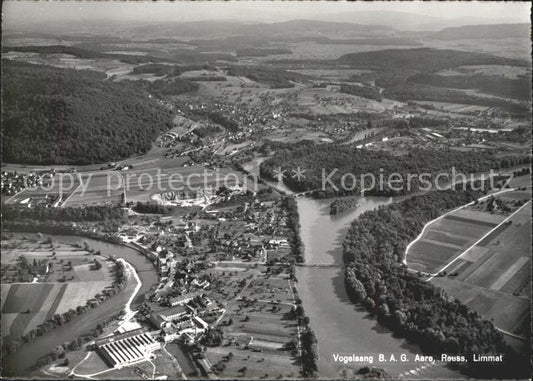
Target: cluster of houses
<point>13,182</point>
<point>182,317</point>
<point>179,307</point>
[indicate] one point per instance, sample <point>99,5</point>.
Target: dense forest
<point>397,41</point>
<point>315,158</point>
<point>422,59</point>
<point>361,91</point>
<point>340,205</point>
<point>152,208</point>
<point>207,78</point>
<point>491,84</point>
<point>81,53</point>
<point>74,214</point>
<point>64,116</point>
<point>95,50</point>
<point>408,91</point>
<point>222,120</point>
<point>293,223</point>
<point>374,248</point>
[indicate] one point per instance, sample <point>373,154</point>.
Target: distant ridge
<point>422,59</point>
<point>285,28</point>
<point>212,28</point>
<point>494,31</point>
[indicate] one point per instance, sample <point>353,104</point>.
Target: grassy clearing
<point>453,107</point>
<point>92,364</point>
<point>246,363</point>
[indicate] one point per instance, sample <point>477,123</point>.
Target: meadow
<point>69,282</point>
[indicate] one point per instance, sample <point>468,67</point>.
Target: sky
<point>27,12</point>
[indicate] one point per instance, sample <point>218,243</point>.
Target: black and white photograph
<point>266,190</point>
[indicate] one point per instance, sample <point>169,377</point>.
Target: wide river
<point>341,327</point>
<point>18,364</point>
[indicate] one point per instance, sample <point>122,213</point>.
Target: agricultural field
<point>453,107</point>
<point>327,102</point>
<point>494,278</point>
<point>69,281</point>
<point>521,181</point>
<point>259,332</point>
<point>145,180</point>
<point>127,76</point>
<point>448,237</point>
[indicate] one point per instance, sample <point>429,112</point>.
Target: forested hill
<point>338,160</point>
<point>64,116</point>
<point>423,59</point>
<point>495,31</point>
<point>401,71</point>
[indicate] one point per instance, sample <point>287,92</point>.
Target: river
<point>19,363</point>
<point>341,327</point>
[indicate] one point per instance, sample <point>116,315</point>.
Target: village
<point>216,268</point>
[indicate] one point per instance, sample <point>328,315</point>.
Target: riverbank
<point>341,327</point>
<point>19,363</point>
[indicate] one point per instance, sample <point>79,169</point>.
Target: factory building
<point>126,349</point>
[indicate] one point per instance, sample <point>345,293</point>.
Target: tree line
<point>361,91</point>
<point>153,208</point>
<point>74,214</point>
<point>293,223</point>
<point>340,205</point>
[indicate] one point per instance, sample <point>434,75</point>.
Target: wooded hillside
<point>64,116</point>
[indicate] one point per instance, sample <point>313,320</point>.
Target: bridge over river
<point>318,265</point>
<point>341,327</point>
